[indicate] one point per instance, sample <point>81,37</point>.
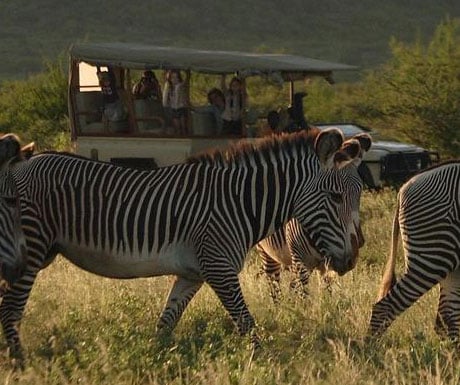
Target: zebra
<point>13,250</point>
<point>195,220</point>
<point>428,217</point>
<point>291,246</point>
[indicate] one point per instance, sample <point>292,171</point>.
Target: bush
<point>36,109</point>
<point>416,95</point>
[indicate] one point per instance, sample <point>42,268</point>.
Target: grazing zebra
<point>428,217</point>
<point>195,220</point>
<point>291,246</point>
<point>13,250</point>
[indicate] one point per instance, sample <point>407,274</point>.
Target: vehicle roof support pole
<point>291,92</point>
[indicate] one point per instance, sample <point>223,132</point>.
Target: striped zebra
<point>428,217</point>
<point>13,250</point>
<point>291,247</point>
<point>195,220</point>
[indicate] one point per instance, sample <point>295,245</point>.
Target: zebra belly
<point>279,254</point>
<point>178,260</point>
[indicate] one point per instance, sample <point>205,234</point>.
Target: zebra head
<point>328,207</point>
<point>353,183</point>
<point>13,250</point>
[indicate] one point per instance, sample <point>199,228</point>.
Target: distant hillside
<point>352,32</point>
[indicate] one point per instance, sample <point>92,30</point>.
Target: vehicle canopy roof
<point>140,56</point>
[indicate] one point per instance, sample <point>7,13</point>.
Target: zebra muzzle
<point>10,274</point>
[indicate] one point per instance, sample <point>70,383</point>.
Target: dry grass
<point>83,329</point>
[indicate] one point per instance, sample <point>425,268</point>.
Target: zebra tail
<point>389,277</point>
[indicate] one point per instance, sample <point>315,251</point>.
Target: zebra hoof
<point>17,358</point>
<point>255,342</point>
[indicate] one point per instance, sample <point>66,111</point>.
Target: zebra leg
<point>11,311</point>
<point>302,275</point>
<point>228,289</point>
<point>326,277</point>
<point>448,315</point>
<point>272,270</point>
<point>182,292</point>
<point>399,298</point>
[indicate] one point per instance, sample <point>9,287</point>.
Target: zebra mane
<point>65,153</point>
<point>70,155</point>
<point>439,164</point>
<point>238,152</point>
<point>242,150</point>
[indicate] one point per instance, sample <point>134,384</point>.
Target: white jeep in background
<point>387,163</point>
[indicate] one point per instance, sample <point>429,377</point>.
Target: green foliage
<point>417,93</point>
<point>414,97</point>
<point>36,109</point>
<point>331,103</point>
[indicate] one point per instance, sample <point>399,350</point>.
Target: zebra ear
<point>327,143</point>
<point>9,148</point>
<point>27,151</point>
<point>349,153</point>
<point>365,141</point>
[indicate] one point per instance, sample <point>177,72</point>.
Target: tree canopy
<point>416,95</point>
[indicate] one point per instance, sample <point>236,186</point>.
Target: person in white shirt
<point>175,98</point>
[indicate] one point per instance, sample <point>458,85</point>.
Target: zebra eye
<point>336,197</point>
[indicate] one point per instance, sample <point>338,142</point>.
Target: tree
<point>417,92</point>
<point>36,109</point>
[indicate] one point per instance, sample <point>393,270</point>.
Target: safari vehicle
<point>145,138</point>
<point>387,163</point>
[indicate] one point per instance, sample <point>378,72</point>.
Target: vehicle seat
<point>149,115</point>
<point>89,111</point>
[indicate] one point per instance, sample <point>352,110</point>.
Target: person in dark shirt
<point>297,121</point>
<point>236,100</point>
<point>148,87</point>
<point>113,106</point>
<point>216,101</point>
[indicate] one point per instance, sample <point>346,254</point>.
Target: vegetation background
<point>348,31</point>
<point>408,87</point>
<point>83,329</point>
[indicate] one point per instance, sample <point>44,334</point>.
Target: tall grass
<point>82,329</point>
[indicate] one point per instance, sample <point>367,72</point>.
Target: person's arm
<point>186,89</point>
<point>112,77</point>
<point>166,102</point>
<point>244,95</point>
<point>223,86</point>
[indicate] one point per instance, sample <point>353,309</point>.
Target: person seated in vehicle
<point>272,126</point>
<point>296,117</point>
<point>113,106</point>
<point>236,101</point>
<point>216,100</point>
<point>148,87</point>
<point>175,98</point>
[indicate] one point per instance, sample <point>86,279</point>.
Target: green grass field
<point>83,329</point>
